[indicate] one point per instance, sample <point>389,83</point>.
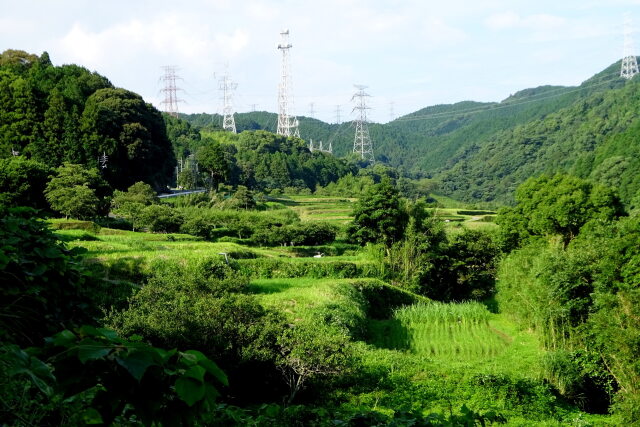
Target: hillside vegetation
<point>298,288</point>
<point>480,152</point>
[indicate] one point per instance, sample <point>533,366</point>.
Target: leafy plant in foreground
<point>92,376</point>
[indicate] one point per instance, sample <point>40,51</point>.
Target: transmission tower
<point>227,86</point>
<point>312,111</point>
<point>287,123</point>
<point>629,62</point>
<point>170,90</point>
<point>362,141</point>
<point>337,114</point>
<point>392,113</point>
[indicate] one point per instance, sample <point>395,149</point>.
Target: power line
<point>362,141</point>
<point>629,66</point>
<point>227,86</point>
<point>170,90</point>
<point>287,123</point>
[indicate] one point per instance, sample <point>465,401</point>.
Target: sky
<point>410,53</point>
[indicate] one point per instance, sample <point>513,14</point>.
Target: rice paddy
<point>441,331</point>
<point>318,208</point>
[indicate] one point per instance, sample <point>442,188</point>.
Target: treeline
<point>67,114</point>
<point>258,160</point>
<point>571,274</point>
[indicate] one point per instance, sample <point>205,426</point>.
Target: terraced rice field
<point>318,208</point>
<point>442,331</point>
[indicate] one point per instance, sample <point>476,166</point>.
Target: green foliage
<point>66,114</point>
<point>76,192</point>
<point>269,268</point>
<point>379,216</point>
<point>132,133</point>
<point>22,183</point>
<point>312,350</point>
<point>213,158</point>
<point>44,286</point>
<point>158,219</point>
<point>581,298</point>
<point>558,205</point>
<point>382,299</point>
<point>584,137</point>
<point>130,205</point>
<point>300,234</point>
<point>95,377</point>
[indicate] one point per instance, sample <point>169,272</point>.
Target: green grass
<point>442,331</point>
<point>110,245</point>
<point>297,297</point>
<point>320,208</point>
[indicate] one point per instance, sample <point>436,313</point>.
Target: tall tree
<point>76,192</point>
<point>379,216</point>
<point>213,158</point>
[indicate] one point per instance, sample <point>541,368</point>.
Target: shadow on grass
<point>389,334</point>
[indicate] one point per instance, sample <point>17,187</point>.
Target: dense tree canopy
<point>68,114</point>
<point>558,205</point>
<point>379,216</point>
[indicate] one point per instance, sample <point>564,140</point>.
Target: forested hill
<point>482,151</point>
<point>58,114</point>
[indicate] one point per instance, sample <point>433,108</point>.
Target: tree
<point>243,197</point>
<point>74,191</point>
<point>139,192</point>
<point>379,216</point>
<point>213,158</point>
<point>22,183</point>
<point>131,133</point>
<point>309,351</point>
<point>558,205</point>
<point>130,204</point>
<point>159,219</point>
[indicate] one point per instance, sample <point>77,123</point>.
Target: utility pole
<point>226,85</point>
<point>337,114</point>
<point>170,90</point>
<point>287,123</point>
<point>629,66</point>
<point>362,141</point>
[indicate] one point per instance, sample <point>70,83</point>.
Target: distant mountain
<point>482,151</point>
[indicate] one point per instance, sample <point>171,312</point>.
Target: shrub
<point>160,219</point>
<point>44,285</point>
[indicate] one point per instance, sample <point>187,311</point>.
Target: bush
<point>44,285</point>
<point>272,268</point>
<point>382,299</point>
<point>160,219</point>
<point>301,234</point>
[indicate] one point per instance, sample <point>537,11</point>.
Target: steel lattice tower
<point>227,86</point>
<point>170,90</point>
<point>338,114</point>
<point>287,123</point>
<point>629,66</point>
<point>362,142</point>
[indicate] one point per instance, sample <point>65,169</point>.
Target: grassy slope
<point>496,363</point>
<point>491,367</point>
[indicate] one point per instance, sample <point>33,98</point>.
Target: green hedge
<point>476,213</point>
<point>383,298</point>
<point>280,268</point>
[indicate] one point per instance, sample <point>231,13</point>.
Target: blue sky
<point>410,53</point>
